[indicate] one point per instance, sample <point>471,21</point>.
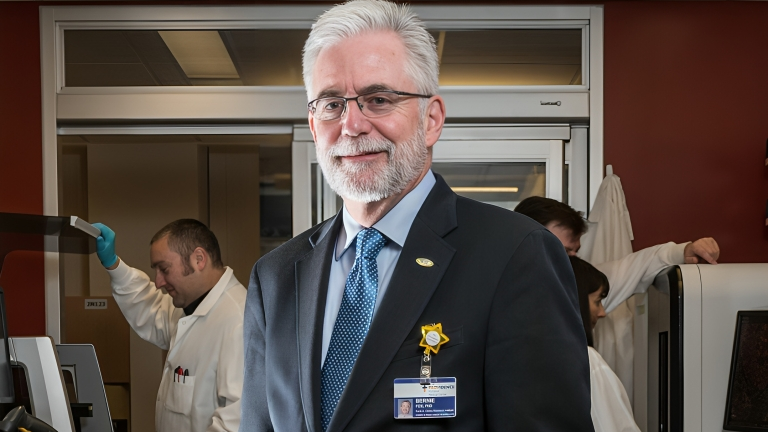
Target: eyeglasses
<point>374,104</point>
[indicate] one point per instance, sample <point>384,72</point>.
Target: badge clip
<point>432,338</point>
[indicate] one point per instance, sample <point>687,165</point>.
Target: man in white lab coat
<point>629,275</point>
<point>199,322</point>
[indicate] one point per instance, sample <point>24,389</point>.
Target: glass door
<point>136,179</point>
<point>497,164</point>
<point>503,184</point>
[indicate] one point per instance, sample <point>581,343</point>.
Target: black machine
<point>6,374</point>
<point>18,418</point>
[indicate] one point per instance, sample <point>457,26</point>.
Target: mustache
<point>347,146</point>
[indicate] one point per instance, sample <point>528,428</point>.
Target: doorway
<point>237,184</point>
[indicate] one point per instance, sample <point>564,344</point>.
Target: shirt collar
<point>190,308</point>
<point>395,224</point>
<point>212,296</point>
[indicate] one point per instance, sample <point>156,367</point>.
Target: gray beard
<point>368,181</point>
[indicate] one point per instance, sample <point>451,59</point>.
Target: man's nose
<point>159,280</point>
<point>354,122</point>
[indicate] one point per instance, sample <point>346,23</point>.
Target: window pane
<point>510,57</point>
<point>102,58</point>
<point>275,193</point>
<point>500,184</point>
<point>273,57</point>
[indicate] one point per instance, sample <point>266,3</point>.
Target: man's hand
<point>702,250</point>
<point>105,246</point>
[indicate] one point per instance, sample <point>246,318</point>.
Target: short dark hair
<point>186,235</point>
<point>546,210</point>
<point>588,280</point>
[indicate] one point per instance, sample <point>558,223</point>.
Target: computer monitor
<point>6,375</point>
<point>746,407</point>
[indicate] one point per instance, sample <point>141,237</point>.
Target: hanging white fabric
<point>610,238</point>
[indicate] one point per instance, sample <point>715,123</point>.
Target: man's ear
<point>199,258</point>
<point>311,121</point>
<point>434,120</point>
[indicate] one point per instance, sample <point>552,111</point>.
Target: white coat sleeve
<point>611,411</point>
<point>229,383</point>
<point>635,272</point>
<point>144,306</point>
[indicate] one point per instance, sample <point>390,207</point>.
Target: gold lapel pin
<point>424,262</point>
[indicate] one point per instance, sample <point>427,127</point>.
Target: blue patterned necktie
<point>352,322</point>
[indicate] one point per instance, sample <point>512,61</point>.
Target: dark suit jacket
<point>501,286</point>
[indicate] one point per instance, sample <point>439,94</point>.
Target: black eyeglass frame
<point>359,105</point>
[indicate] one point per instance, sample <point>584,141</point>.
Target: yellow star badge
<point>432,338</point>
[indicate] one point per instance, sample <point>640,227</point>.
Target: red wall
<point>21,169</point>
<point>686,121</point>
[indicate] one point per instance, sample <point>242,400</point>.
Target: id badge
<point>416,398</point>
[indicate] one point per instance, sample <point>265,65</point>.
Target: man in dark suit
<point>338,313</point>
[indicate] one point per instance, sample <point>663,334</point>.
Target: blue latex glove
<point>105,246</point>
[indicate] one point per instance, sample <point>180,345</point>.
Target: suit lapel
<point>408,293</point>
<point>312,273</point>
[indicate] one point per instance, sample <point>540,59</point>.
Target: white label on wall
<point>95,303</point>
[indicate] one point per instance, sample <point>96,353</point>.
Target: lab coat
<point>635,273</point>
<point>208,344</point>
<point>610,234</point>
<point>607,246</point>
<point>610,238</point>
<point>611,411</point>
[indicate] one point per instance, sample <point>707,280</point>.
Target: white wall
<point>234,205</point>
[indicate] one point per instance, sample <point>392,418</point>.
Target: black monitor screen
<point>746,408</point>
<point>6,375</point>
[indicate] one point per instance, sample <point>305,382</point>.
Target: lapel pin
<point>424,262</point>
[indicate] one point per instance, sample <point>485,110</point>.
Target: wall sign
<point>95,303</point>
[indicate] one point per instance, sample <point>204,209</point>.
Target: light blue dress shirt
<point>394,226</point>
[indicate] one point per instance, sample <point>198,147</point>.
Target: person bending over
<point>611,410</point>
<point>199,322</point>
<point>630,275</point>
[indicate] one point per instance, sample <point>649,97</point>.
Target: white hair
<point>359,16</point>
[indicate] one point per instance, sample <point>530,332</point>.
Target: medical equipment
<point>58,385</point>
<point>692,316</point>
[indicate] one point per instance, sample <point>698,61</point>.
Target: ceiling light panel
<point>201,54</point>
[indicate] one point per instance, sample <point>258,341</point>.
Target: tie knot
<point>369,243</point>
